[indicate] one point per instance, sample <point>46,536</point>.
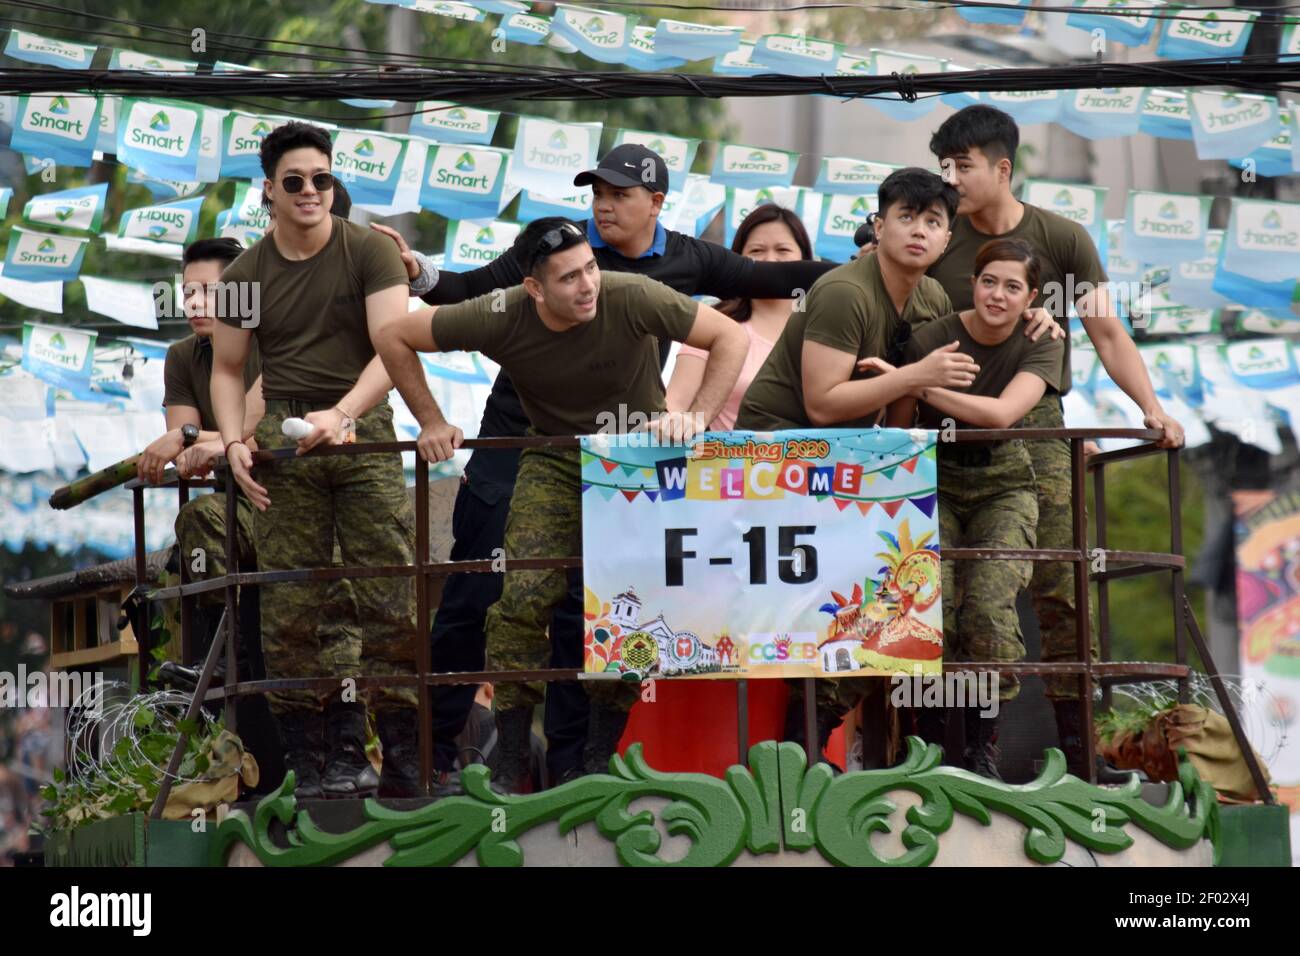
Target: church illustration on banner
<point>620,640</point>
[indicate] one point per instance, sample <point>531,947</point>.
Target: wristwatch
<point>189,435</point>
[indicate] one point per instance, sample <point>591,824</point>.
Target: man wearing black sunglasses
<point>577,344</point>
<point>323,285</point>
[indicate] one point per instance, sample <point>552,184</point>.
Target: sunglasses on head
<point>552,240</point>
<point>293,183</point>
<point>902,335</point>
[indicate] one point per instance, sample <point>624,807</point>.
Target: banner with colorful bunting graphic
<point>818,549</point>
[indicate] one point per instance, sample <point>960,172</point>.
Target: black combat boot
<point>399,776</point>
<point>347,770</point>
<point>932,726</point>
<point>604,731</point>
<point>1069,733</point>
<point>981,754</point>
<point>513,771</point>
<point>302,734</point>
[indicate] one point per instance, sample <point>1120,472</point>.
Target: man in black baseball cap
<point>629,165</point>
<point>628,189</point>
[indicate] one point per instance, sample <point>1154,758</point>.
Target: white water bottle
<point>296,428</point>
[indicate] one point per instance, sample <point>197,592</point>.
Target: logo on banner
<point>1176,217</point>
<point>1206,32</point>
<point>1228,111</point>
<point>1101,101</point>
<point>368,159</point>
<point>1266,232</point>
<point>72,212</point>
<point>547,145</point>
<point>59,116</point>
<point>1167,104</point>
<point>737,160</point>
<point>246,134</point>
<point>43,49</point>
<point>478,243</point>
<point>169,133</point>
<point>468,171</point>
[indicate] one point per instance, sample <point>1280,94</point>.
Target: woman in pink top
<point>770,233</point>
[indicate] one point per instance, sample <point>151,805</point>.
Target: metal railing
<point>1090,673</point>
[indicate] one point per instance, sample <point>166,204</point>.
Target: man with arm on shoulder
<point>628,186</point>
<point>977,148</point>
<point>579,346</point>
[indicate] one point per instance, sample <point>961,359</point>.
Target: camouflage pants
<point>311,628</point>
<point>201,538</point>
<point>986,505</point>
<point>1052,586</point>
<point>545,522</point>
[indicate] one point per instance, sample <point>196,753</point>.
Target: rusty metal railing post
<point>187,600</point>
<point>811,738</point>
<point>232,596</point>
<point>423,657</point>
<point>1103,583</point>
<point>144,645</point>
<point>1176,547</point>
<point>1082,625</point>
<point>742,721</point>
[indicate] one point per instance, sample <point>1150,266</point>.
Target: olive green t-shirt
<point>1070,266</point>
<point>311,326</point>
<point>999,364</point>
<point>595,375</point>
<point>187,376</point>
<point>848,309</point>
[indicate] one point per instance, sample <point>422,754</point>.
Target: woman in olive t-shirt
<point>987,494</point>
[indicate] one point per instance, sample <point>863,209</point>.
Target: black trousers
<point>459,642</point>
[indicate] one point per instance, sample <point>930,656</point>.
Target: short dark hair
<point>223,250</point>
<point>342,204</point>
<point>528,247</point>
<point>980,126</point>
<point>292,135</point>
<point>1009,250</point>
<point>742,309</point>
<point>917,188</point>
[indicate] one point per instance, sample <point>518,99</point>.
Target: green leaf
<point>50,792</point>
<point>144,718</point>
<point>187,726</point>
<point>59,776</point>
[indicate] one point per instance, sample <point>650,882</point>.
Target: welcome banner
<point>818,549</point>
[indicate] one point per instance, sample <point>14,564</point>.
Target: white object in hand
<point>297,428</point>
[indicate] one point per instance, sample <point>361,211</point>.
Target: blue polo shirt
<point>656,248</point>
